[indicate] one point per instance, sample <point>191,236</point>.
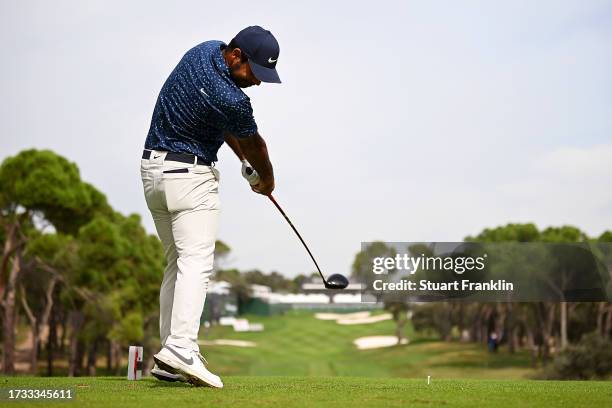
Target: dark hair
<point>232,46</point>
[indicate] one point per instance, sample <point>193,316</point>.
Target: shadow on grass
<point>165,384</point>
<point>149,382</point>
<point>423,340</point>
<point>490,361</point>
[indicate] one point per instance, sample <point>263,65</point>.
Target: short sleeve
<point>240,120</point>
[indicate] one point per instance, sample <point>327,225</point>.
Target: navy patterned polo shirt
<point>197,103</point>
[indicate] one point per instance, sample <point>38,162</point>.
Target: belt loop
<point>195,160</point>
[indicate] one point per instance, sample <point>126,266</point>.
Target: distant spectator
<point>493,342</point>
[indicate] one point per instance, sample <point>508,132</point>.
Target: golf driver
<point>335,281</point>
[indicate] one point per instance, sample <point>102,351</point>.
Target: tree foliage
<point>590,358</point>
<point>96,272</point>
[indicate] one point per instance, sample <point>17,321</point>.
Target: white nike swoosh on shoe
<point>195,373</point>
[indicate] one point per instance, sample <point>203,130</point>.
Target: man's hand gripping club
<point>249,173</point>
<point>256,166</point>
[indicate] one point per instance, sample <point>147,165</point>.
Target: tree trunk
<point>64,325</point>
<point>80,357</point>
<point>515,339</point>
<point>91,358</point>
<point>500,320</point>
<point>76,320</point>
<point>510,328</point>
<point>601,314</point>
<point>532,347</point>
<point>608,326</point>
<point>109,356</point>
<point>116,347</point>
<point>398,332</point>
<point>35,348</point>
<point>563,318</point>
<point>51,340</point>
<point>480,327</point>
<point>548,313</point>
<point>485,323</point>
<point>448,335</point>
<point>34,328</point>
<point>545,317</point>
<point>8,321</point>
<point>460,320</point>
<point>8,341</point>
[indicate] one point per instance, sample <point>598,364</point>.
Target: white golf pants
<point>185,208</point>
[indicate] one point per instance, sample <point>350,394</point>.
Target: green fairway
<point>322,392</point>
<point>298,344</point>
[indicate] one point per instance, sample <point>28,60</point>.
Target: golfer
<point>200,106</point>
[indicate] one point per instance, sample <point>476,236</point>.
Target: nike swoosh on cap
<point>183,359</point>
<point>271,61</point>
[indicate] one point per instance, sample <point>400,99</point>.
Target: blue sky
<point>397,121</point>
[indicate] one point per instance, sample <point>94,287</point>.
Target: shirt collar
<point>220,61</point>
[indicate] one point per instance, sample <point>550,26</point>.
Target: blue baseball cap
<point>262,49</point>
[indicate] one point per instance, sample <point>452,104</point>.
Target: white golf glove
<point>249,173</point>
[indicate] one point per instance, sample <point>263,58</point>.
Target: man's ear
<point>237,54</point>
<point>233,57</point>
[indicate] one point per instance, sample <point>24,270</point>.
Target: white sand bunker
<point>336,316</point>
<point>353,318</point>
<point>366,320</point>
<point>227,342</point>
<point>374,342</point>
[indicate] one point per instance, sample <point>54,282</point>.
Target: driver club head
<point>336,281</point>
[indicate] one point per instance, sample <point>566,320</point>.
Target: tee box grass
<point>260,391</point>
<point>300,361</point>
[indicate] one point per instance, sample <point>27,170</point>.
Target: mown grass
<point>300,361</point>
<point>258,391</point>
<point>297,344</point>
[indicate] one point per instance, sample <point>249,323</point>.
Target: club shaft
<point>299,236</point>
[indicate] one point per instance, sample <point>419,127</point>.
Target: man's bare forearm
<point>232,142</point>
<point>255,151</point>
